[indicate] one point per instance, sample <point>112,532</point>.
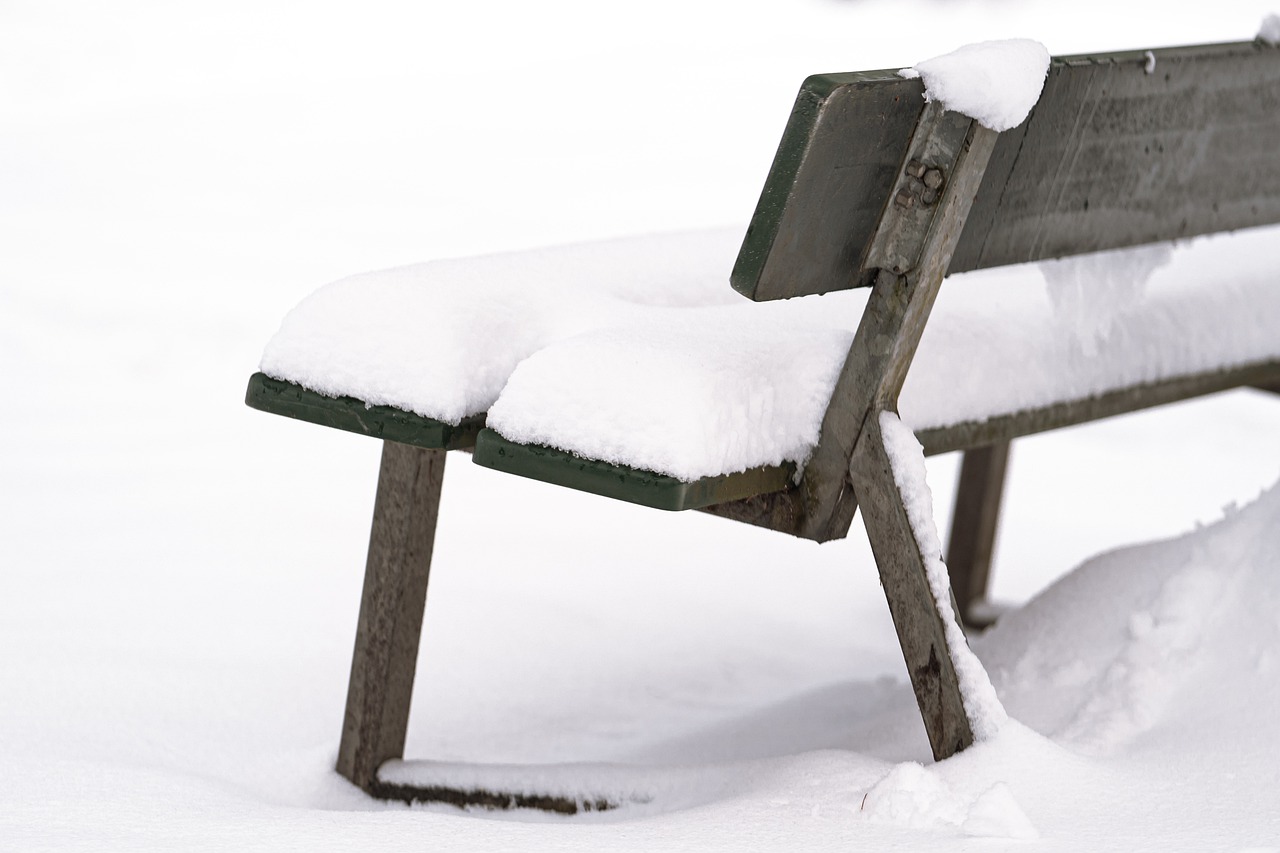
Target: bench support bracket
<point>917,235</point>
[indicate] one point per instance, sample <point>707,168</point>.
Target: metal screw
<point>904,198</point>
<point>929,196</point>
<point>933,179</point>
<point>915,168</point>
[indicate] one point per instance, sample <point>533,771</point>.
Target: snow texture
<point>1270,29</point>
<point>689,393</point>
<point>995,82</point>
<point>915,797</point>
<point>906,457</point>
<point>440,339</point>
<point>637,352</point>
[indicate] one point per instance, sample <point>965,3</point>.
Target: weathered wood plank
<point>962,436</point>
<point>921,631</point>
<point>391,611</point>
<point>347,413</point>
<point>1112,156</point>
<point>468,798</point>
<point>896,312</point>
<point>974,521</point>
<point>839,158</point>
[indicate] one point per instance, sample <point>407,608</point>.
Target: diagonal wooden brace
<point>917,235</point>
<point>921,626</point>
<point>918,231</point>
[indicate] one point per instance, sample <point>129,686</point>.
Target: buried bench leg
<point>921,626</point>
<point>391,609</point>
<point>974,521</point>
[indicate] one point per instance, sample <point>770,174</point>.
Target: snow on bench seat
<point>637,353</point>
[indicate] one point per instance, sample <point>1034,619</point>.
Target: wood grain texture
<point>391,610</point>
<point>1111,156</point>
<point>921,631</point>
<point>893,321</point>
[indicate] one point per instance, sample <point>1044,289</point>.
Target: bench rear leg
<point>391,610</point>
<point>974,522</point>
<point>922,632</point>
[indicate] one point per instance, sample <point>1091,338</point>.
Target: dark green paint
<point>646,488</point>
<point>838,160</point>
<point>352,415</point>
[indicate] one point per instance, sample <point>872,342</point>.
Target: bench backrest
<point>1122,149</point>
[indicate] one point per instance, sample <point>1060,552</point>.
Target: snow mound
<point>1150,636</point>
<point>995,82</point>
<point>917,798</point>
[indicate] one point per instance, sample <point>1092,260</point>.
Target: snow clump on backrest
<point>995,82</point>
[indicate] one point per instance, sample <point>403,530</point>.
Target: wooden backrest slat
<point>1113,155</point>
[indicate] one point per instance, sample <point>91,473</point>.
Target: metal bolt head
<point>933,179</point>
<point>904,199</point>
<point>929,196</point>
<point>915,168</point>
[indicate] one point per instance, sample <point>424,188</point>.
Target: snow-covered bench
<point>629,369</point>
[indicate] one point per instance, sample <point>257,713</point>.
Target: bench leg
<point>974,522</point>
<point>391,608</point>
<point>922,631</point>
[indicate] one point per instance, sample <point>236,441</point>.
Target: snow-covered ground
<point>179,574</point>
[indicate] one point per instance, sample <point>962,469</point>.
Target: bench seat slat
<point>347,413</point>
<point>659,491</point>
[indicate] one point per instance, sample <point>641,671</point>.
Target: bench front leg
<point>391,610</point>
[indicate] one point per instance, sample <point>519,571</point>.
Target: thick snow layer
<point>688,393</point>
<point>1270,29</point>
<point>906,457</point>
<point>995,82</point>
<point>636,351</point>
<point>441,338</point>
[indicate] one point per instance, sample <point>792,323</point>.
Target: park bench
<point>872,187</point>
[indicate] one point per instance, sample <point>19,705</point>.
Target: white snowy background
<point>179,575</point>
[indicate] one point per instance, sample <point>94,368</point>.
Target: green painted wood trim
<point>347,413</point>
<point>646,488</point>
<point>839,156</point>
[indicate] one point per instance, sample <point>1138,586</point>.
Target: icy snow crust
<point>995,82</point>
<point>637,352</point>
